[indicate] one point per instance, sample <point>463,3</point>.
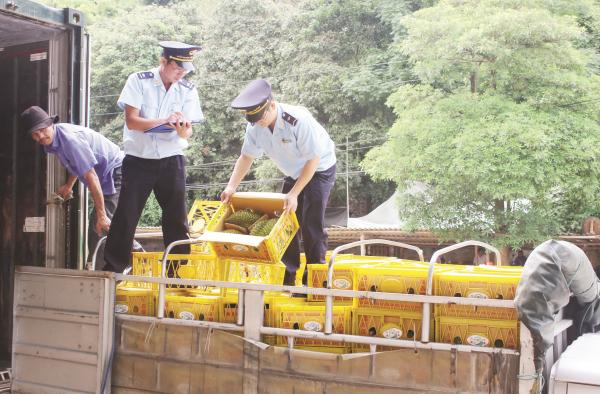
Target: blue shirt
<point>146,92</point>
<point>80,149</point>
<point>296,138</point>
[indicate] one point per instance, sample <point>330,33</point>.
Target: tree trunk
<point>474,82</point>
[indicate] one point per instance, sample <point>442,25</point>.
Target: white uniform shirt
<point>296,138</point>
<point>146,92</point>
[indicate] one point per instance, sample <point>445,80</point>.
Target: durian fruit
<point>239,229</point>
<point>243,218</point>
<point>232,231</point>
<point>260,220</point>
<point>269,225</point>
<point>263,228</point>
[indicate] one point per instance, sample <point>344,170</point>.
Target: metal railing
<point>92,266</point>
<point>5,379</point>
<point>436,255</point>
<point>329,298</point>
<point>250,310</point>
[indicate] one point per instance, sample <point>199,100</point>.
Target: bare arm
<point>102,221</point>
<point>291,199</point>
<point>66,189</point>
<point>242,165</point>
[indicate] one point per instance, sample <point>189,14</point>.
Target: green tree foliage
<point>332,57</point>
<point>152,214</point>
<point>128,43</point>
<point>343,71</point>
<point>503,129</point>
<point>240,44</point>
<point>95,10</point>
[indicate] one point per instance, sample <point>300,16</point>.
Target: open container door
<point>43,61</point>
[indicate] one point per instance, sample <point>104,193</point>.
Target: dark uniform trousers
<point>166,178</point>
<point>311,216</point>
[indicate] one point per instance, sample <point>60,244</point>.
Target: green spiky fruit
<point>232,231</point>
<point>243,218</point>
<point>258,222</point>
<point>263,228</point>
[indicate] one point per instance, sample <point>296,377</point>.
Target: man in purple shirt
<point>87,156</point>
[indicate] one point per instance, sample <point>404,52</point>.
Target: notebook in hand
<point>166,127</point>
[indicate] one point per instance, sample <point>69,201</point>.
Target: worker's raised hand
<point>102,225</point>
<point>184,129</point>
<point>226,194</point>
<point>290,202</point>
<point>175,118</point>
<point>182,126</point>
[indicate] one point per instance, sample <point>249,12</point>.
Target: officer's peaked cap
<point>180,52</point>
<point>253,99</point>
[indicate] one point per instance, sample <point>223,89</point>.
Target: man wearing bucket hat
<point>303,151</point>
<point>160,108</point>
<point>87,156</point>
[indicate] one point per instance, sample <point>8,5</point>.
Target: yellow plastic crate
<point>192,307</point>
<point>246,271</point>
<point>200,214</point>
<point>478,332</point>
<point>228,307</point>
<point>477,282</point>
<point>343,279</point>
<point>303,266</point>
<point>202,248</point>
<point>312,318</point>
<point>272,300</point>
<point>344,273</point>
<point>391,279</point>
<point>135,301</point>
<point>184,266</point>
<point>386,324</point>
<point>300,273</point>
<point>198,218</point>
<point>260,249</point>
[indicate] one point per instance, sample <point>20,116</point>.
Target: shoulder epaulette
<point>145,75</point>
<point>186,83</point>
<point>289,118</point>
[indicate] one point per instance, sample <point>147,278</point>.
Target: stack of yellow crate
<point>344,274</point>
<point>216,258</point>
<point>311,317</point>
<point>133,300</point>
<point>389,319</point>
<point>272,302</point>
<point>483,325</point>
<point>190,304</point>
<point>140,297</point>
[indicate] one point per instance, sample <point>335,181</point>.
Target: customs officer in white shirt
<point>154,160</point>
<point>303,151</point>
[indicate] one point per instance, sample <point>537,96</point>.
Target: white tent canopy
<point>384,216</point>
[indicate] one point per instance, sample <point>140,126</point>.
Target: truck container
<point>44,62</point>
